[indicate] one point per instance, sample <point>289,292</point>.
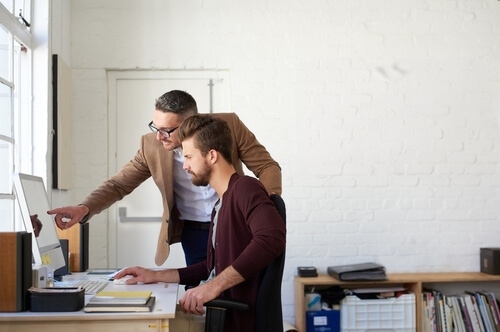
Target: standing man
<point>246,234</point>
<point>186,208</point>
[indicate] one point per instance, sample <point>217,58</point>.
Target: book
<point>118,307</point>
<point>465,313</point>
<point>121,297</point>
<point>438,310</point>
<point>473,314</point>
<point>448,315</point>
<point>425,312</point>
<point>458,318</point>
<point>491,300</point>
<point>428,316</point>
<point>488,322</point>
<point>477,311</point>
<point>455,324</point>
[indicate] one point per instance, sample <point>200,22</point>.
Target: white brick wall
<point>383,115</point>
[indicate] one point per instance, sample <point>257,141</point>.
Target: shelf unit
<point>414,282</point>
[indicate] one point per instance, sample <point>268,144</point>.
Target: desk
<point>79,321</point>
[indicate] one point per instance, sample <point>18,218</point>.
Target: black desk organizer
<point>56,299</point>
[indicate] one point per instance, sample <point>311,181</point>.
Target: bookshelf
<point>414,282</point>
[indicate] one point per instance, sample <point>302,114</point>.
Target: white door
<point>132,94</point>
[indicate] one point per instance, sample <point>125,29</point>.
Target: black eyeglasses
<point>163,132</point>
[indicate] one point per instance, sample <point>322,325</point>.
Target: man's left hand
<point>194,299</point>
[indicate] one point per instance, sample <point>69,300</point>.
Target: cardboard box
<point>490,260</point>
<point>323,321</point>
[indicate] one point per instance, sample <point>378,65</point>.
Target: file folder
<point>358,272</point>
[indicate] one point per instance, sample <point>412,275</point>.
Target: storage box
<point>391,314</point>
<point>57,299</point>
<point>323,321</point>
<point>490,260</point>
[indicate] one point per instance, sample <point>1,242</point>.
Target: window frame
<point>19,81</point>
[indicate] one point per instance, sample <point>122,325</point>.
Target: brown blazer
<point>153,160</point>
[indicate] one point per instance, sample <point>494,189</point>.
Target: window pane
<point>6,170</point>
<point>6,215</point>
<point>7,4</point>
<point>5,110</point>
<point>4,54</point>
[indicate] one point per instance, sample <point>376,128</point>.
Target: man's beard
<point>203,177</point>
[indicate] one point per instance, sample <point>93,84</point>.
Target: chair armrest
<point>226,304</point>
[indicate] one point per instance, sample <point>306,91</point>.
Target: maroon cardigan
<point>250,234</point>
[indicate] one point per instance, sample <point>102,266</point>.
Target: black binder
<point>358,272</point>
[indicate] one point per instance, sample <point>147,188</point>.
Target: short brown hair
<point>209,133</point>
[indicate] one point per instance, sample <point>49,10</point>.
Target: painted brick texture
<point>384,115</point>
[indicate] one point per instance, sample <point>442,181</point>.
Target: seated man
<point>246,231</point>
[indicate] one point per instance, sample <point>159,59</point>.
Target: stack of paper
<point>123,301</point>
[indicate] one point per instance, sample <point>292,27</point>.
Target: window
<point>15,106</point>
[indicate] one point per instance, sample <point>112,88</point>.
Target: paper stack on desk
<point>122,301</point>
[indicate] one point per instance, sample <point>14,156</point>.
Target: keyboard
<point>91,286</point>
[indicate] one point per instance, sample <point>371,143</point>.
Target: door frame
<point>113,76</point>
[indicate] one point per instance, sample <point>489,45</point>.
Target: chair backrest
<point>269,313</point>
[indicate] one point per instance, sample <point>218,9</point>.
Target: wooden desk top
<point>166,300</point>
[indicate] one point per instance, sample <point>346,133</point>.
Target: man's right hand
<point>73,213</point>
<point>147,276</point>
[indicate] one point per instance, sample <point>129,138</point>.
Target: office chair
<point>269,314</point>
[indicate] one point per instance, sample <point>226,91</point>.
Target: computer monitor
<point>32,199</point>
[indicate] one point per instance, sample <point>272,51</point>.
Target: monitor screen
<point>32,198</point>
